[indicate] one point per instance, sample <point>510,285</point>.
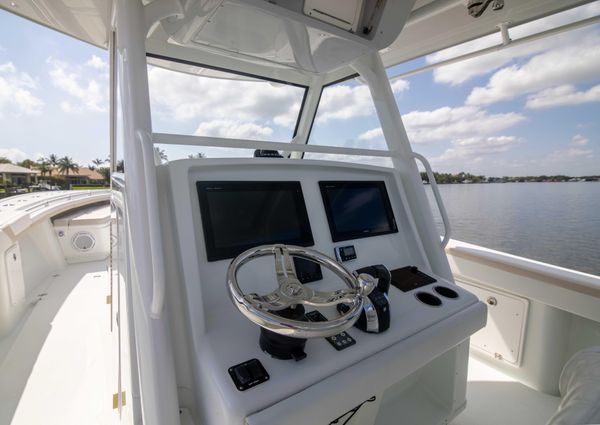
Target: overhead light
<point>13,4</point>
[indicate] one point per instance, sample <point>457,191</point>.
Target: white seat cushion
<point>579,386</point>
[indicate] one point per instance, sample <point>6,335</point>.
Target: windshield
<point>222,105</point>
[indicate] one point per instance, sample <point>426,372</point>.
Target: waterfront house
<point>16,175</point>
<point>82,176</point>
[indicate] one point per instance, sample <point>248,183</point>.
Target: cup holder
<point>429,299</point>
<point>446,292</point>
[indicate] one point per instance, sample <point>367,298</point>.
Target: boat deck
<point>494,398</point>
<point>57,367</point>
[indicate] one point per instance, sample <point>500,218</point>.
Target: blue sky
<point>532,109</point>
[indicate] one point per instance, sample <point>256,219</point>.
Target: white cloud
<point>449,123</point>
<point>463,71</point>
<point>454,123</point>
<point>344,101</point>
<point>16,95</point>
<point>14,154</point>
<point>574,159</point>
<point>8,68</point>
<point>185,97</point>
<point>98,63</point>
<point>355,159</point>
<point>579,140</point>
<point>472,150</point>
<point>371,134</point>
<point>569,154</point>
<point>562,95</point>
<point>398,86</point>
<point>577,63</point>
<point>233,130</point>
<point>83,88</point>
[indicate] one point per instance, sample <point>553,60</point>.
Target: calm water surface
<point>557,223</point>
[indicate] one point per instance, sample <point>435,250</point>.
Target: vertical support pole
<point>111,267</point>
<point>112,98</point>
<point>156,369</point>
<point>309,110</point>
<point>313,95</point>
<point>371,69</point>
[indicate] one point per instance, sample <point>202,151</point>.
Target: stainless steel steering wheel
<point>259,308</point>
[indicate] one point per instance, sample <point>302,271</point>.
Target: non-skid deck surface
<point>58,367</point>
<point>494,398</point>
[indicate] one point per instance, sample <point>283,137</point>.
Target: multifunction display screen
<point>237,216</point>
<point>357,209</point>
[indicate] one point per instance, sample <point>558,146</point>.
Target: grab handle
<point>158,266</point>
<point>438,197</point>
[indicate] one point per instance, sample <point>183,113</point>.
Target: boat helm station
<point>316,294</point>
<point>308,291</point>
<point>287,290</point>
<point>275,289</point>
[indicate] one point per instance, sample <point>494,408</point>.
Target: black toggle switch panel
<point>340,341</point>
<point>248,374</point>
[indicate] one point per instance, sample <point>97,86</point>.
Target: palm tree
<point>97,163</point>
<point>27,163</point>
<point>44,167</point>
<point>162,154</point>
<point>66,164</point>
<point>105,172</point>
<point>53,159</point>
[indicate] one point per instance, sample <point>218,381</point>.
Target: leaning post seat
<point>579,386</point>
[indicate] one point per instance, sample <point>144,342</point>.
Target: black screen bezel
<point>337,236</point>
<point>215,253</point>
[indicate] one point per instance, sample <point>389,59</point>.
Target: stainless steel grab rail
<point>438,197</point>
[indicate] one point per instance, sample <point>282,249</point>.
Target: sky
<point>527,110</point>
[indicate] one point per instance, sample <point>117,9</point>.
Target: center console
<point>407,349</point>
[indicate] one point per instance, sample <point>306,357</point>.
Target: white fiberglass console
<point>412,371</point>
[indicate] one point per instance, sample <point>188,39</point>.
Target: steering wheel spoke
<point>284,268</point>
<point>273,301</point>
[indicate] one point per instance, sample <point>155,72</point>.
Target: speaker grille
<point>83,241</point>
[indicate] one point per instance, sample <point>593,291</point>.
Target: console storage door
<point>504,334</point>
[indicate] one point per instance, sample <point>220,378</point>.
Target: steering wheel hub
<point>292,289</point>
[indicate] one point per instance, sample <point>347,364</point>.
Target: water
<point>557,223</point>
